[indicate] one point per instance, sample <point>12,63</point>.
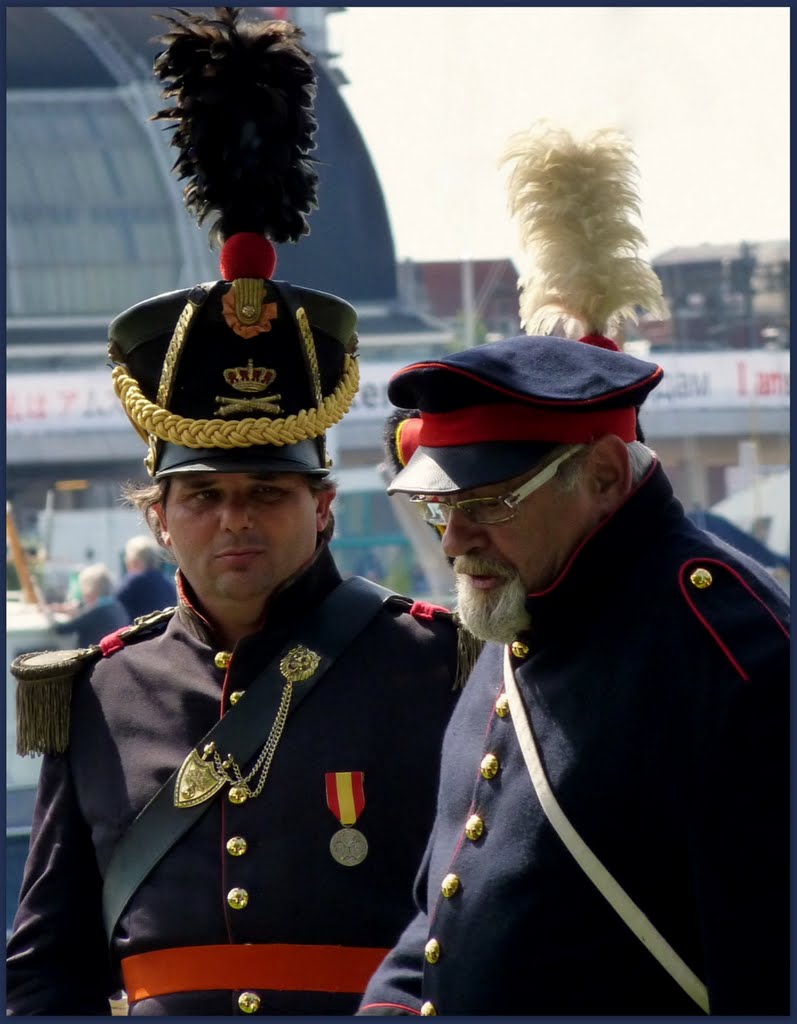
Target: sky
<point>702,92</point>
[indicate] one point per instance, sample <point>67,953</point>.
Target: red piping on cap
<point>569,403</point>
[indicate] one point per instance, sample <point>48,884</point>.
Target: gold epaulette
<point>44,688</point>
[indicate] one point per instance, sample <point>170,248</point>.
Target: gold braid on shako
<point>304,425</point>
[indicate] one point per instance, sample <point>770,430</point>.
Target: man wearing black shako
<point>235,793</point>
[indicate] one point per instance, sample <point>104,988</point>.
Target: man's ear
<point>159,512</point>
<point>609,470</point>
<point>324,501</point>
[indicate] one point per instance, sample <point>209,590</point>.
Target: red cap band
<point>523,423</point>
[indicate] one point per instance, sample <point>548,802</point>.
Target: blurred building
<point>725,296</point>
<point>95,223</point>
<point>476,299</point>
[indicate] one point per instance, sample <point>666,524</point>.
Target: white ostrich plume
<point>576,205</point>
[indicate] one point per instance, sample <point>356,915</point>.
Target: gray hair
<point>95,581</point>
<point>144,549</point>
<point>569,473</point>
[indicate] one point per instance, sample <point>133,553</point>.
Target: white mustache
<point>472,565</point>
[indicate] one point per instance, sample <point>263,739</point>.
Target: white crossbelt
<point>586,859</point>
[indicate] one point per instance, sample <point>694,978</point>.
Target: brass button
<point>249,1002</point>
<point>432,951</point>
<point>489,766</point>
<point>428,1010</point>
<point>502,706</point>
<point>237,846</point>
<point>235,696</point>
<point>474,827</point>
<point>519,649</point>
<point>237,898</point>
<point>237,795</point>
<point>701,578</point>
<point>449,886</point>
<point>222,659</point>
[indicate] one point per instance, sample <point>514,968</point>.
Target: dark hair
<point>145,496</point>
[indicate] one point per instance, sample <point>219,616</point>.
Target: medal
<point>346,799</point>
<point>349,847</point>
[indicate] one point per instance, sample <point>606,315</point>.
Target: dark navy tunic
<point>661,711</point>
<point>380,709</point>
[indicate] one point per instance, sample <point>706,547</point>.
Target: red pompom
<point>247,254</point>
<point>599,341</point>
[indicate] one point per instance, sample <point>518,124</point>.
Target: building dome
<point>95,220</point>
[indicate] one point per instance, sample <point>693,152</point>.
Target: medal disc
<point>349,847</point>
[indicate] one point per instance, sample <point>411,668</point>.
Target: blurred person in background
<point>145,588</point>
<point>98,612</point>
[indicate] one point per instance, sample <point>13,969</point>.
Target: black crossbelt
<point>339,619</point>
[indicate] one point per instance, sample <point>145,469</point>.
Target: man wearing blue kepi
<point>612,829</point>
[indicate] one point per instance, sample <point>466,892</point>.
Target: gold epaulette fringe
<point>44,689</point>
<point>44,694</point>
<point>469,648</point>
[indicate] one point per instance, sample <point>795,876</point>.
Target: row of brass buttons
<point>248,1002</point>
<point>474,829</point>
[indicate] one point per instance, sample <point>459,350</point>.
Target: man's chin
<point>497,615</point>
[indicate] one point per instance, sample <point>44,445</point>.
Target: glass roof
<point>90,227</point>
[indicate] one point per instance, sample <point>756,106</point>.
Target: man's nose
<point>235,514</point>
<point>462,536</point>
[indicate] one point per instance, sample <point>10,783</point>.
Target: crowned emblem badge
<point>249,379</point>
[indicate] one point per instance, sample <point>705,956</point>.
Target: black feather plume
<point>243,96</point>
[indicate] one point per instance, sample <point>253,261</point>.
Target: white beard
<point>493,615</point>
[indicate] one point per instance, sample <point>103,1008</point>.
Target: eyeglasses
<point>487,511</point>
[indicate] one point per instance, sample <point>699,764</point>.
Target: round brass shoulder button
<point>249,1002</point>
<point>701,578</point>
<point>222,659</point>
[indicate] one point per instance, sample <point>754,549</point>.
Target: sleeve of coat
<point>395,988</point>
<point>740,813</point>
<point>57,957</point>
